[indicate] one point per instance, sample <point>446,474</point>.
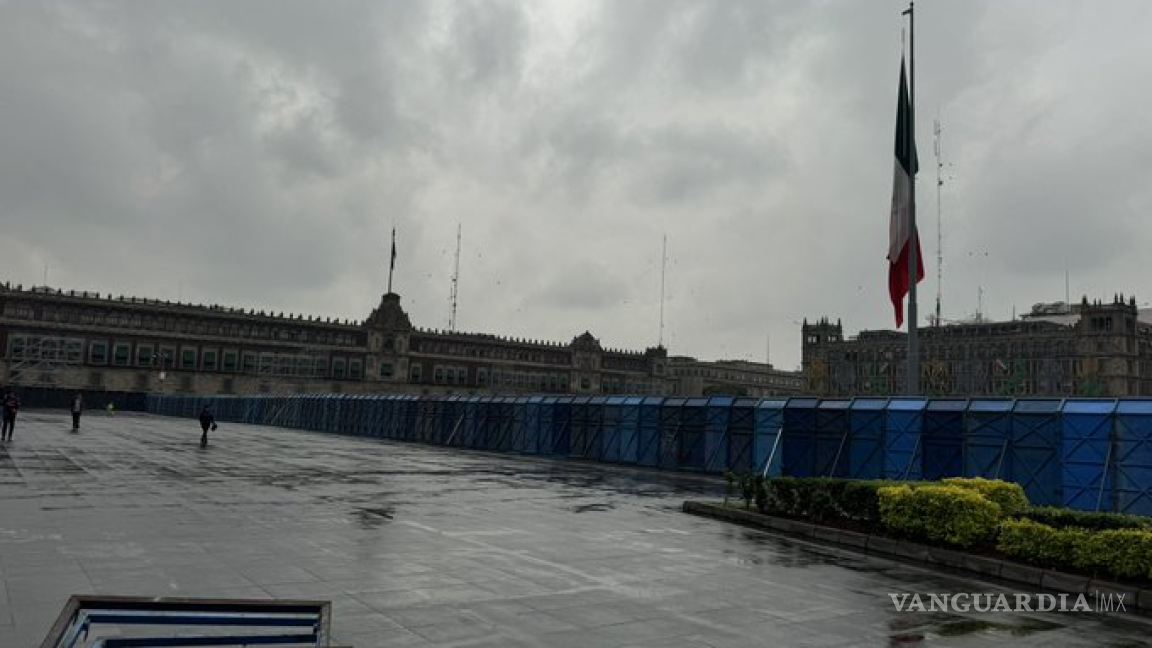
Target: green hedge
<point>824,499</point>
<point>945,514</point>
<point>1061,518</point>
<point>1123,553</point>
<point>1008,495</point>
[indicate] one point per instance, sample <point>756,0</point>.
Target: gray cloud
<point>258,154</point>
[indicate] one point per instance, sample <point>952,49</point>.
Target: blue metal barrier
<point>1083,453</point>
<point>1035,450</point>
<point>1133,461</point>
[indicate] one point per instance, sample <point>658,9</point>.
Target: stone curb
<point>1049,579</point>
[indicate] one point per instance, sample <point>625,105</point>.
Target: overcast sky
<point>257,154</point>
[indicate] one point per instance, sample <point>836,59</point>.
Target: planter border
<point>981,566</point>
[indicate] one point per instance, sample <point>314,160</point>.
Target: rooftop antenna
<point>979,303</point>
<point>936,130</point>
<point>663,272</point>
<point>1067,299</point>
<point>455,283</point>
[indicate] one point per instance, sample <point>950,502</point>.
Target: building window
<point>208,362</point>
<point>144,355</point>
<point>98,353</point>
<point>167,357</point>
<point>385,369</point>
<point>355,369</point>
<point>451,375</point>
<point>229,361</point>
<point>438,374</point>
<point>417,373</point>
<point>338,366</point>
<point>249,362</point>
<point>122,354</point>
<point>188,358</point>
<point>481,376</point>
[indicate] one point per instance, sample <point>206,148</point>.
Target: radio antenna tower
<point>663,272</point>
<point>455,283</point>
<point>936,130</point>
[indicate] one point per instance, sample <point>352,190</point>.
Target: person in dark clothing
<point>77,407</point>
<point>207,421</point>
<point>11,406</point>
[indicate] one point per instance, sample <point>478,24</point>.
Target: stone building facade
<point>1086,349</point>
<point>692,377</point>
<point>71,340</point>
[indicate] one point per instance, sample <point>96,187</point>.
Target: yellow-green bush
<point>1008,495</point>
<point>1126,553</point>
<point>949,514</point>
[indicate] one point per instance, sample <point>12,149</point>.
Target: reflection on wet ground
<point>423,546</point>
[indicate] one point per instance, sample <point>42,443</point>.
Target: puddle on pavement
<point>592,507</point>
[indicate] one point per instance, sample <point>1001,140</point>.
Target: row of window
<point>175,324</point>
<point>446,347</point>
<point>120,354</point>
<point>741,378</point>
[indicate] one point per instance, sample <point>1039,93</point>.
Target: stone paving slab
<point>427,546</point>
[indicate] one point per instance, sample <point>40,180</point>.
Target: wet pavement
<point>426,546</point>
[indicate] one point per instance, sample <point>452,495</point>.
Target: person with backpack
<point>11,407</point>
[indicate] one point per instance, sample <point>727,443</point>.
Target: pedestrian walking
<point>11,407</point>
<point>77,407</point>
<point>207,421</point>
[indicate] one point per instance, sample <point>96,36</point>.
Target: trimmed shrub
<point>948,514</point>
<point>1060,518</point>
<point>822,499</point>
<point>1008,495</point>
<point>1040,544</point>
<point>1124,553</point>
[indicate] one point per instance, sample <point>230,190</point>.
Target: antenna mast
<point>663,272</point>
<point>455,283</point>
<point>936,130</point>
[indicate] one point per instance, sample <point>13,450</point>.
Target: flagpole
<point>913,382</point>
<point>392,261</point>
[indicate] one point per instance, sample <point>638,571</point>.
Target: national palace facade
<point>1089,349</point>
<point>86,341</point>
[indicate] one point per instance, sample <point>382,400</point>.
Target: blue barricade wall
<point>1035,449</point>
<point>1083,453</point>
<point>904,420</point>
<point>943,439</point>
<point>866,446</point>
<point>769,437</point>
<point>987,435</point>
<point>832,430</point>
<point>1132,464</point>
<point>799,443</point>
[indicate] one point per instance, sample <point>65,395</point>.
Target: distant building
<point>1087,349</point>
<point>75,340</point>
<point>692,377</point>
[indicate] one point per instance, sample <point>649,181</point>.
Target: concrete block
<point>981,565</point>
<point>854,539</point>
<point>913,551</point>
<point>1144,599</point>
<point>945,557</point>
<point>1062,582</point>
<point>883,545</point>
<point>1109,596</point>
<point>1020,573</point>
<point>826,533</point>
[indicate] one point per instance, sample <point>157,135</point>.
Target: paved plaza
<point>427,546</point>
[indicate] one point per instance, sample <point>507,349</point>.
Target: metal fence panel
<point>988,438</point>
<point>1133,462</point>
<point>943,440</point>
